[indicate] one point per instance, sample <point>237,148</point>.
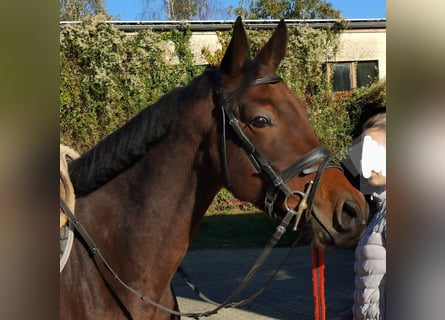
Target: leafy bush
<point>361,103</point>
<point>225,203</point>
<point>106,76</point>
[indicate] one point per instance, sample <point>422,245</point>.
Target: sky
<point>130,10</point>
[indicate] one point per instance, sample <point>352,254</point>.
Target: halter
<point>304,165</point>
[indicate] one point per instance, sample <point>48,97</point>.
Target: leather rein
<point>303,165</point>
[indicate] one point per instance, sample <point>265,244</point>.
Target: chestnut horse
<point>143,190</point>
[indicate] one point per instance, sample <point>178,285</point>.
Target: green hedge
<point>107,76</point>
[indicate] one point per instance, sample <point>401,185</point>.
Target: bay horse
<point>143,190</point>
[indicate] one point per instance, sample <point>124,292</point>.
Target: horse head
<point>269,151</point>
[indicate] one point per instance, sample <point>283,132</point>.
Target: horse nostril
<point>349,214</point>
<point>351,209</point>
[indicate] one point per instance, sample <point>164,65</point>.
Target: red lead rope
<point>318,284</point>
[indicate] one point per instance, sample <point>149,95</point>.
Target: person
<point>370,253</point>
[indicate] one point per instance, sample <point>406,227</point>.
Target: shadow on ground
<point>246,229</point>
<point>218,271</point>
<point>225,248</point>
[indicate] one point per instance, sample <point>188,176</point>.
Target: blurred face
<point>374,156</point>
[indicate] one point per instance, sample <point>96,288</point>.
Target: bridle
<point>316,160</point>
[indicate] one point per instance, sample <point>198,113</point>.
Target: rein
<point>94,250</point>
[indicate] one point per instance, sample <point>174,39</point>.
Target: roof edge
<point>212,25</point>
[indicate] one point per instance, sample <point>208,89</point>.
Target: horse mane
<point>128,144</point>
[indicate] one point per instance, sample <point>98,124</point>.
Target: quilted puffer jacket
<point>370,268</point>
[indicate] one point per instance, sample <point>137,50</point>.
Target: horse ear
<point>273,51</point>
<point>236,53</point>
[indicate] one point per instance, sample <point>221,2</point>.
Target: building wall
<point>203,39</point>
<point>363,45</point>
<point>355,45</point>
<point>365,40</point>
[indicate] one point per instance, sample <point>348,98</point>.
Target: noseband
<point>316,160</point>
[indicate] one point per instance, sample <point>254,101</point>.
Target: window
<point>367,73</point>
<point>348,75</point>
<point>342,77</point>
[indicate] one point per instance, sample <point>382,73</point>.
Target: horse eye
<point>260,122</point>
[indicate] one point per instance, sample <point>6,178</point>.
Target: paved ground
<point>217,272</point>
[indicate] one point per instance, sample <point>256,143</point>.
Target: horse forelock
<point>128,144</point>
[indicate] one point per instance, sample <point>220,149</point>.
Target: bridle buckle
<point>302,205</point>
